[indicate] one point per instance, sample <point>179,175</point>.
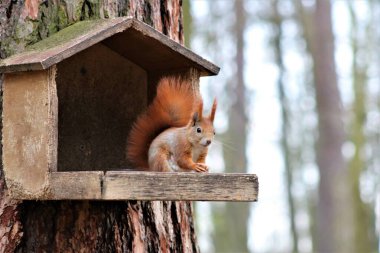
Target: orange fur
<point>213,110</point>
<point>182,148</point>
<point>200,110</point>
<point>172,107</point>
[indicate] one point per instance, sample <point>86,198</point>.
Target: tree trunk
<point>277,20</point>
<point>89,226</point>
<point>231,227</point>
<point>364,230</point>
<point>334,218</point>
<point>187,22</point>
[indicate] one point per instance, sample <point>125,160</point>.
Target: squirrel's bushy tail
<point>172,107</point>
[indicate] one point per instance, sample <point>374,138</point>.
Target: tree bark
<point>187,22</point>
<point>334,218</point>
<point>89,226</point>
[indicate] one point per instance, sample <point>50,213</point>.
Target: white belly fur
<point>197,152</point>
<point>169,138</point>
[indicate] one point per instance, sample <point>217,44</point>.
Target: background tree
<point>364,233</point>
<point>276,19</point>
<point>230,234</point>
<point>334,218</point>
<point>318,77</point>
<point>88,226</point>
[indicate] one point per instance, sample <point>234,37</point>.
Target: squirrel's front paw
<point>201,167</point>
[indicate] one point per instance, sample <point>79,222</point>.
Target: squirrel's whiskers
<point>226,145</point>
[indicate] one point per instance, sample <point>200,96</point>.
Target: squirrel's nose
<point>208,142</point>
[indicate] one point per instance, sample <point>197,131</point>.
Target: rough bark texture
<point>81,226</point>
<point>334,218</point>
<point>26,22</point>
<point>88,226</point>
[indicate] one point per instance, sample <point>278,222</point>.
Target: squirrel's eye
<point>214,132</point>
<point>199,130</point>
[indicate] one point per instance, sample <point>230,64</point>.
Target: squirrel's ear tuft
<point>194,119</point>
<point>213,110</point>
<point>200,110</point>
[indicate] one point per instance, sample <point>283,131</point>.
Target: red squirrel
<point>173,134</point>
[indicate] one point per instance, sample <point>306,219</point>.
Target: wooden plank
<point>63,44</point>
<point>154,51</point>
<point>75,185</point>
<point>137,185</point>
<point>105,30</point>
<point>122,185</point>
<point>139,36</point>
<point>27,132</point>
<point>208,67</point>
<point>113,91</point>
<point>52,119</point>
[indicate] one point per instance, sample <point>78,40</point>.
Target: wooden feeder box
<point>69,102</point>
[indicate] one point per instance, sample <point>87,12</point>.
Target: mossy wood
<point>128,37</point>
<point>69,102</point>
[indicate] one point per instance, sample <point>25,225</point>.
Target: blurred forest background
<point>299,105</point>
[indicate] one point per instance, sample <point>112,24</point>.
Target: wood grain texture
<point>180,186</point>
<point>28,131</point>
<point>52,119</point>
<point>98,102</point>
<point>132,185</point>
<point>78,185</point>
<point>132,38</point>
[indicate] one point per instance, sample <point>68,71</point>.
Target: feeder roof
<point>127,36</point>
